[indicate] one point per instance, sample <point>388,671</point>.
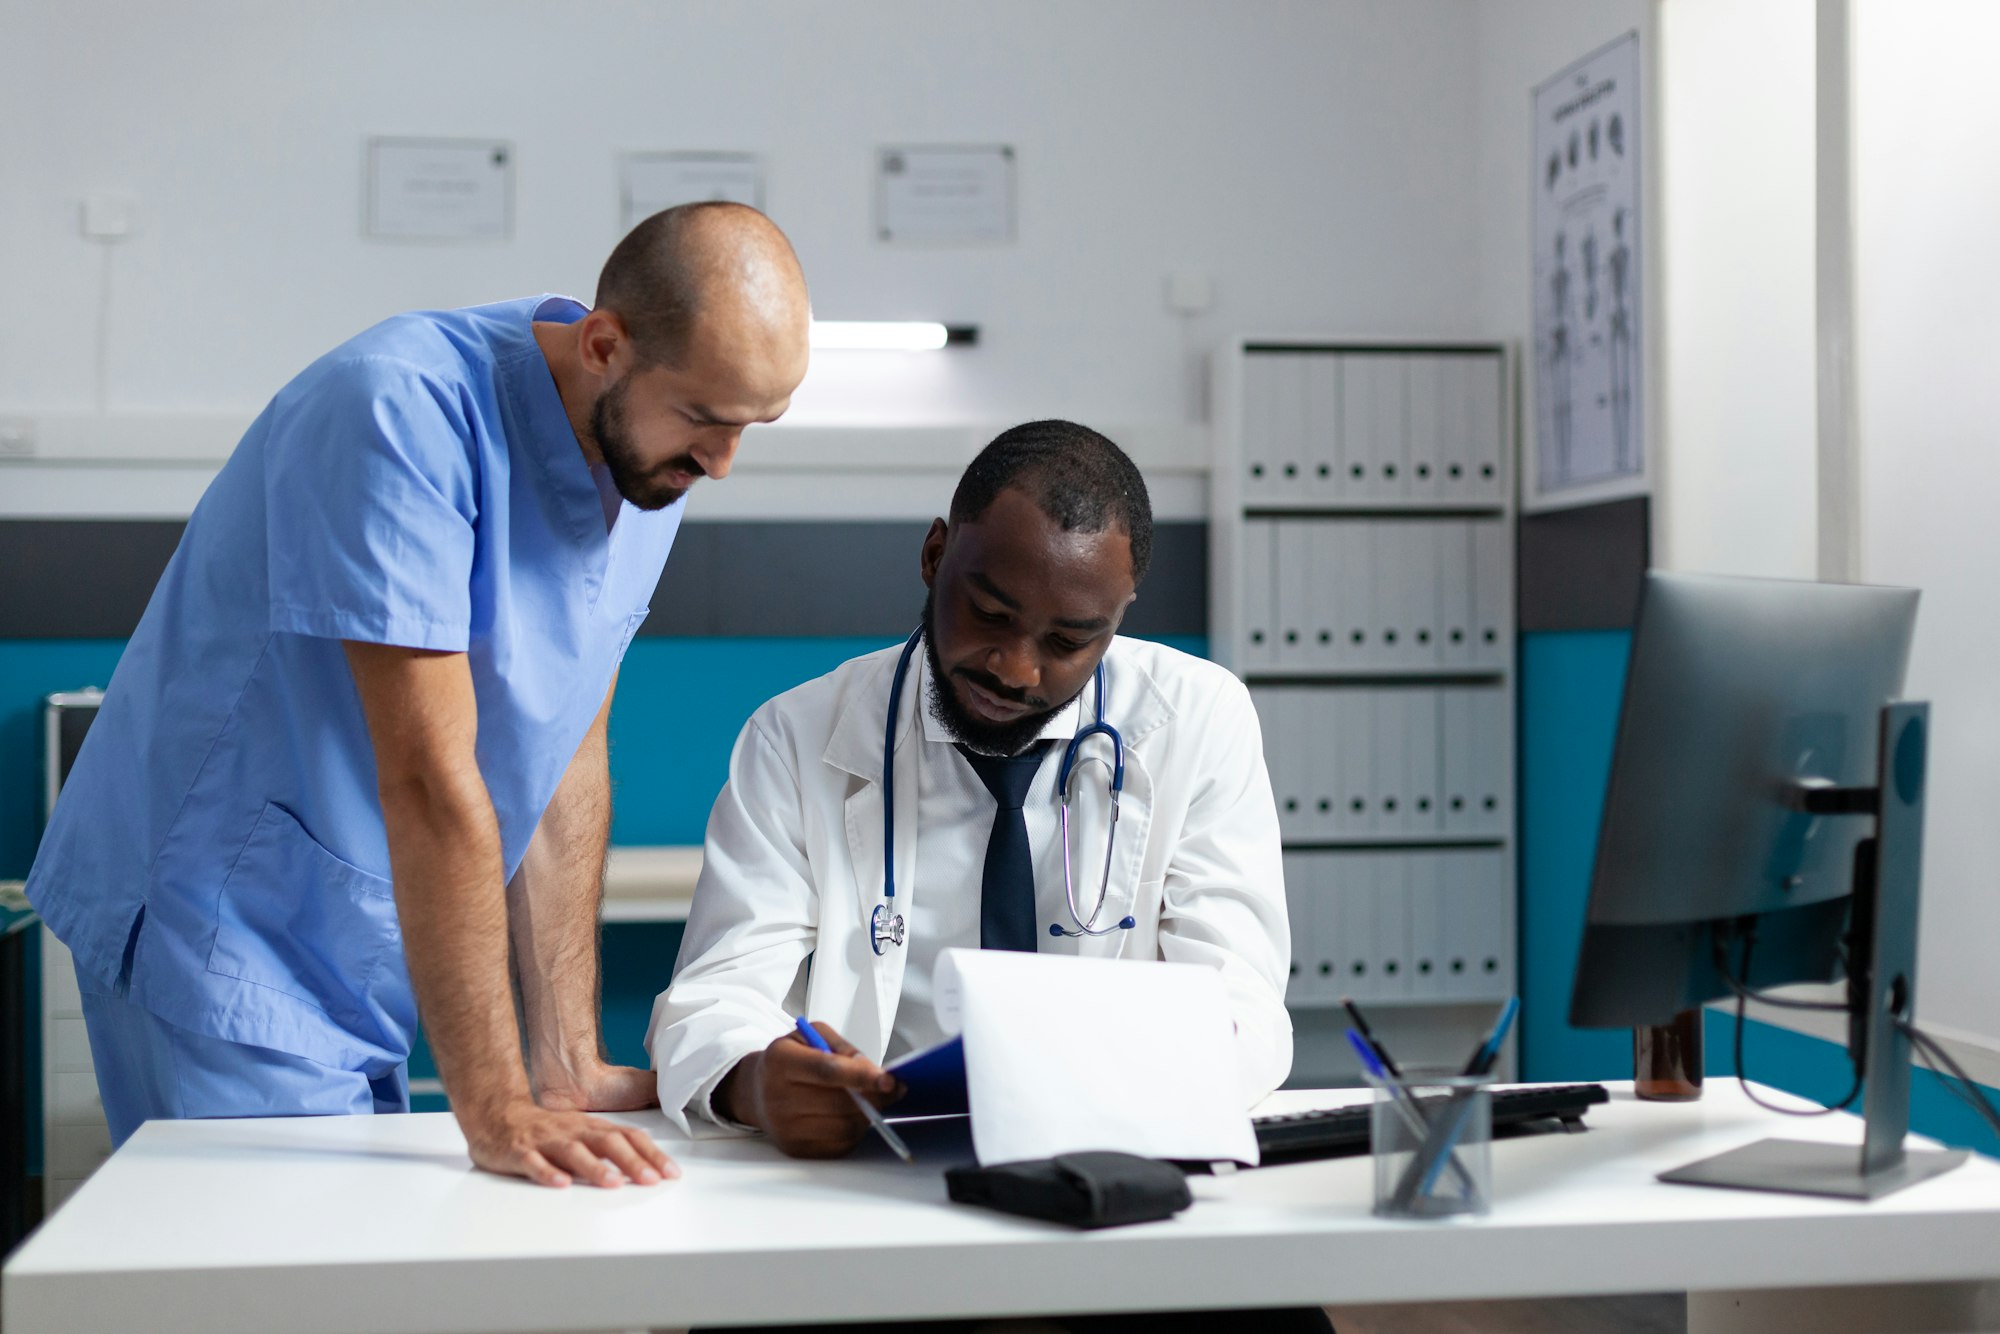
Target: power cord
<point>1743,997</point>
<point>1928,1049</point>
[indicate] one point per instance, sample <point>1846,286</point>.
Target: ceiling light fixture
<point>890,335</point>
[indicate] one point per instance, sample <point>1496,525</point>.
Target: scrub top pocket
<point>297,919</point>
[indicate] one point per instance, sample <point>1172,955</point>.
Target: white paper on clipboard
<point>1064,1055</point>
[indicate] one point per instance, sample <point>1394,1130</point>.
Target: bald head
<point>711,271</point>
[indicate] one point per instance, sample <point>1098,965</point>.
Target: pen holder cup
<point>1432,1138</point>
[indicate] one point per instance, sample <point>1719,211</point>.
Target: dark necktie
<point>1007,888</point>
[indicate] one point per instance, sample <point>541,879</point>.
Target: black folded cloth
<point>1088,1190</point>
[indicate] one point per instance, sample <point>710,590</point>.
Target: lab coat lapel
<point>855,748</point>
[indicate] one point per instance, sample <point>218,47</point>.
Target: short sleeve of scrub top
<point>384,554</point>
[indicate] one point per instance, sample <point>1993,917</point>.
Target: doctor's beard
<point>634,481</point>
<point>976,733</point>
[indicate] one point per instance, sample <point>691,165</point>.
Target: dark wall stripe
<point>90,578</point>
<point>1581,569</point>
<point>80,578</point>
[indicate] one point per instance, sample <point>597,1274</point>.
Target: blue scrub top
<point>218,850</point>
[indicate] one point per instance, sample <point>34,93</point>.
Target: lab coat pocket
<point>297,919</point>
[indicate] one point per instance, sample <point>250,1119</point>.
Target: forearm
<point>733,1100</point>
<point>444,851</point>
<point>553,904</point>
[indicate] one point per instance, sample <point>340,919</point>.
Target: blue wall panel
<point>1571,686</point>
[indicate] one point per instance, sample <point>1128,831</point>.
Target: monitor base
<point>1801,1167</point>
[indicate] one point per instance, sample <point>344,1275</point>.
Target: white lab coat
<point>792,868</point>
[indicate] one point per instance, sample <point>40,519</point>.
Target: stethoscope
<point>885,924</point>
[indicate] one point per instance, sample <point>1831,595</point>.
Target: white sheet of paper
<point>1065,1054</point>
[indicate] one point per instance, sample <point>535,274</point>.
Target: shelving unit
<point>1362,539</point>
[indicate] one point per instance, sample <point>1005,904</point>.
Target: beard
<point>633,479</point>
<point>988,738</point>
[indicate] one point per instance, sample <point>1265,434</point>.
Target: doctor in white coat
<point>1049,535</point>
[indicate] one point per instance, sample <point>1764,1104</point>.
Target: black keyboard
<point>1337,1132</point>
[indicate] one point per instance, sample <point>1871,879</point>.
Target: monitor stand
<point>1881,990</point>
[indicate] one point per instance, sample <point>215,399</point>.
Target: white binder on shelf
<point>1283,755</point>
<point>1426,917</point>
<point>1322,424</point>
<point>1461,884</point>
<point>1354,800</point>
<point>1485,431</point>
<point>1302,985</point>
<point>1491,771</point>
<point>1426,773</point>
<point>1392,763</point>
<point>1361,427</point>
<point>1430,410</point>
<point>1427,594</point>
<point>1385,632</point>
<point>1496,962</point>
<point>1393,422</point>
<point>1295,598</point>
<point>1455,467</point>
<point>1359,925</point>
<point>1458,786</point>
<point>1415,553</point>
<point>1354,580</point>
<point>1456,634</point>
<point>1323,590</point>
<point>1492,559</point>
<point>1320,735</point>
<point>1259,480</point>
<point>1260,572</point>
<point>1392,925</point>
<point>1328,925</point>
<point>1289,465</point>
<point>1304,734</point>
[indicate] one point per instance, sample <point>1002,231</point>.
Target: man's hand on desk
<point>553,1147</point>
<point>799,1097</point>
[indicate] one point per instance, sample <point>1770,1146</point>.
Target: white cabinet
<point>1362,534</point>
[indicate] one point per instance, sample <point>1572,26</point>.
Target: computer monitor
<point>1763,826</point>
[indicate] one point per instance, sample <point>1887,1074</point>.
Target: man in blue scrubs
<point>352,764</point>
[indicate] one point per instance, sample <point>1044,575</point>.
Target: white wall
<point>1927,194</point>
<point>1314,160</point>
<point>1736,487</point>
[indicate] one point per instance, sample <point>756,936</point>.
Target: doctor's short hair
<point>1076,476</point>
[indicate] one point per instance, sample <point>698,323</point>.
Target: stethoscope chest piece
<point>884,928</point>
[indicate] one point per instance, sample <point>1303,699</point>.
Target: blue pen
<point>875,1118</point>
<point>1489,1050</point>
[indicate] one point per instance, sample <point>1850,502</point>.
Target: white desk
<point>378,1224</point>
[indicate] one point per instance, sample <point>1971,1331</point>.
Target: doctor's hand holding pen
<point>806,1099</point>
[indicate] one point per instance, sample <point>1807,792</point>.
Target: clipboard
<point>935,1080</point>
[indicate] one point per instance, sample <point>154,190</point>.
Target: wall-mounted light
<point>890,335</point>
